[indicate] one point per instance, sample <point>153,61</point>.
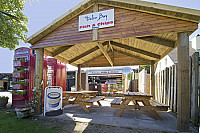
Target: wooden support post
<point>175,89</point>
<point>79,78</point>
<point>172,88</point>
<point>156,86</point>
<point>152,79</point>
<point>87,85</point>
<point>194,88</point>
<point>190,78</point>
<point>159,87</point>
<point>183,112</point>
<point>95,31</point>
<point>112,58</point>
<point>38,80</point>
<point>164,86</point>
<point>167,86</point>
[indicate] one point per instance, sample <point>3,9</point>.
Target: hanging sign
<point>53,100</point>
<point>96,20</point>
<point>106,72</point>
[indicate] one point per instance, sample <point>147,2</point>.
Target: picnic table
<point>141,101</point>
<point>81,98</point>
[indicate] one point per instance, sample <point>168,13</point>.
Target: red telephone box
<point>24,76</point>
<point>24,68</point>
<point>57,73</point>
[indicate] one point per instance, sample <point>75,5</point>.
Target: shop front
<point>106,81</point>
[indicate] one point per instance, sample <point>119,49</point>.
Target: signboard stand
<point>53,101</point>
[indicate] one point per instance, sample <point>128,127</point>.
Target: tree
<point>12,23</point>
<point>147,67</point>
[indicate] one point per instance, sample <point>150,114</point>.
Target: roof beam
<point>85,63</point>
<point>135,49</point>
<point>60,50</point>
<point>133,56</point>
<point>159,41</point>
<point>105,53</point>
<point>112,57</point>
<point>58,57</point>
<point>110,46</point>
<point>84,54</point>
<point>93,59</point>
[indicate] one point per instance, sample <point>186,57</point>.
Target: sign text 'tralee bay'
<point>95,20</point>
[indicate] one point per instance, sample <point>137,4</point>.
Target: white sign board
<point>96,20</point>
<point>106,72</point>
<point>52,98</point>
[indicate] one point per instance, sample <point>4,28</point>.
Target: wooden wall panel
<point>67,34</point>
<point>119,59</point>
<point>133,23</point>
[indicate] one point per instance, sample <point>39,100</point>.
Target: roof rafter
<point>105,53</point>
<point>60,50</point>
<point>58,57</point>
<point>135,49</point>
<point>93,59</point>
<point>133,56</point>
<point>84,54</point>
<point>159,41</point>
<point>110,46</point>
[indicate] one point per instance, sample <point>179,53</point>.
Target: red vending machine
<point>24,76</point>
<point>56,73</point>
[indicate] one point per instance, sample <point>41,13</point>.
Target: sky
<point>42,12</point>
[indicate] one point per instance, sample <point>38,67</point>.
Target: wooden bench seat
<point>159,106</point>
<point>95,99</point>
<point>116,102</point>
<point>68,101</point>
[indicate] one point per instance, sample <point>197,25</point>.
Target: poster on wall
<point>53,101</point>
<point>96,20</point>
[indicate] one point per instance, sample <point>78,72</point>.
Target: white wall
<point>163,63</point>
<point>196,43</point>
<point>142,81</point>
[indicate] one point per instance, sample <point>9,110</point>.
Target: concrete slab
<point>130,118</point>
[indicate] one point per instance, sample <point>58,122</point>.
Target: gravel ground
<point>69,126</point>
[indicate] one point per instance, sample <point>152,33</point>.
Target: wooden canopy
<point>143,32</point>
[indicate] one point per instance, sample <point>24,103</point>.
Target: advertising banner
<point>96,20</point>
<point>52,100</point>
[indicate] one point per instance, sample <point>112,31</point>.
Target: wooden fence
<point>133,86</point>
<point>166,87</point>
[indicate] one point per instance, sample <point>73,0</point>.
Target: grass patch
<point>129,128</point>
<point>9,123</point>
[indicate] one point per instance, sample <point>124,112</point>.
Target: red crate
<point>19,87</point>
<point>18,75</point>
<point>19,64</point>
<point>18,97</point>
